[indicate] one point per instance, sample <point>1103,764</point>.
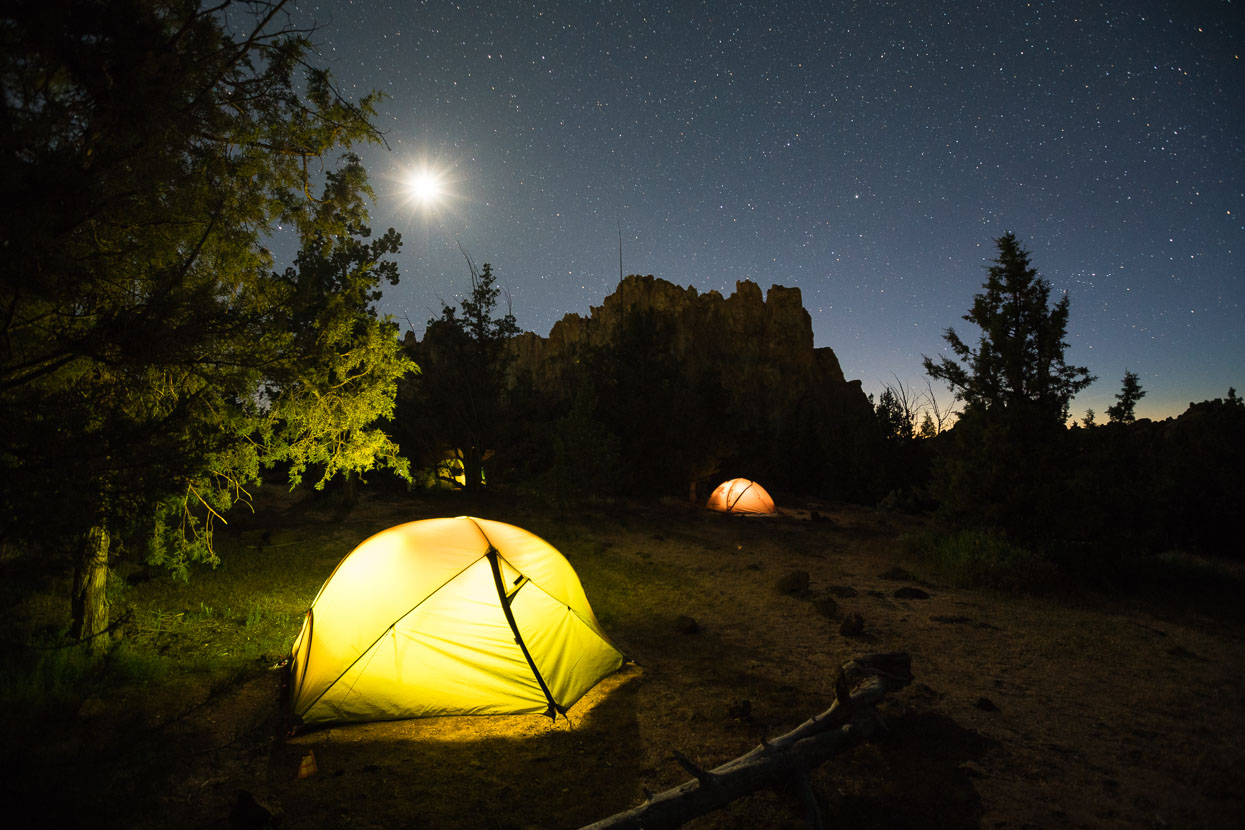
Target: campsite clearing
<point>1024,712</point>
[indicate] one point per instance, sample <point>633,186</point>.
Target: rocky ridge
<point>760,347</point>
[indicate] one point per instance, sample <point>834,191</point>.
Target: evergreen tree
<point>896,413</point>
<point>1002,466</point>
<point>667,419</point>
<point>148,350</point>
<point>585,462</point>
<point>460,395</point>
<point>1018,364</point>
<point>1122,412</point>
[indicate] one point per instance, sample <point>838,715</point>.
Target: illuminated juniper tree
<point>152,361</point>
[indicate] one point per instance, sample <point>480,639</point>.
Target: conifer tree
<point>1003,465</point>
<point>460,393</point>
<point>152,359</point>
<point>1123,410</point>
<point>1018,364</point>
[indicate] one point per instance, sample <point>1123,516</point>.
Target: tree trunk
<point>473,468</point>
<point>350,489</point>
<point>90,584</point>
<point>850,720</point>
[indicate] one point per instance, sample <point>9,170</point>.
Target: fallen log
<point>783,762</point>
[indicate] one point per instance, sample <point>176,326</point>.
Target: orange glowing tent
<point>457,616</point>
<point>739,495</point>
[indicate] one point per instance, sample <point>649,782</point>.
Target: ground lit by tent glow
<point>464,729</point>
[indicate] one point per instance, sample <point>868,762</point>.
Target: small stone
<point>793,584</point>
<point>852,624</point>
<point>842,591</point>
<point>896,573</point>
<point>686,625</point>
<point>985,704</point>
<point>908,592</point>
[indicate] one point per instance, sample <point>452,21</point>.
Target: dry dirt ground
<point>1023,712</point>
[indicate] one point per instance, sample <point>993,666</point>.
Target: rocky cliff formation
<point>758,347</point>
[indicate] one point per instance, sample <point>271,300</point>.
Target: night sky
<point>868,153</point>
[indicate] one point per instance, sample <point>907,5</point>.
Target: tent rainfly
<point>457,616</point>
<point>739,495</point>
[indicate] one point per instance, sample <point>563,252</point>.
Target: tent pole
<point>554,708</point>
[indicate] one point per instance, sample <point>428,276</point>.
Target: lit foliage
<point>151,356</point>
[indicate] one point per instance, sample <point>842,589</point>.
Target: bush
<point>983,559</point>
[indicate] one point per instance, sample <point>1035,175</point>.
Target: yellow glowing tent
<point>739,495</point>
<point>448,617</point>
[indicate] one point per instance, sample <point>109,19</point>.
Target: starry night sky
<point>866,152</point>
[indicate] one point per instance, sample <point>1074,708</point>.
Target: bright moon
<point>426,187</point>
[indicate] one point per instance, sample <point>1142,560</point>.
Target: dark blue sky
<point>868,153</point>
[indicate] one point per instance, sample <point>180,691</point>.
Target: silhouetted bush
<point>1095,500</point>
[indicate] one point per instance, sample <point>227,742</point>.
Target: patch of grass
<point>129,665</point>
<point>48,676</point>
<point>983,559</point>
<point>625,591</point>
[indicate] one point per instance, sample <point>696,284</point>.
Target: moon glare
<point>425,186</point>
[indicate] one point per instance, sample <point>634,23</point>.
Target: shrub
<point>983,559</point>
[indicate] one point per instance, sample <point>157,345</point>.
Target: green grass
<point>625,594</point>
<point>46,676</point>
<point>218,626</point>
<point>982,559</point>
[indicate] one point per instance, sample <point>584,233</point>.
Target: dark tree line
<point>456,406</point>
<point>1124,488</point>
<point>630,416</point>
